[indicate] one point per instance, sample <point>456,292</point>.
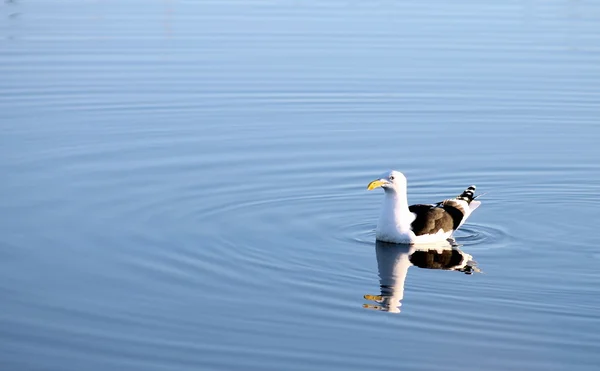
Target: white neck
<point>395,216</point>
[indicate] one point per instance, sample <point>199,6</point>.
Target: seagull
<point>403,224</point>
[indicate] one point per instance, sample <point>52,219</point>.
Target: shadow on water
<point>394,260</point>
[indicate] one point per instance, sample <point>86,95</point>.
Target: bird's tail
<point>468,195</point>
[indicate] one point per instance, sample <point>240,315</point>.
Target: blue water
<point>184,184</point>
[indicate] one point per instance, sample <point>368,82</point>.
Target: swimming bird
<point>420,223</point>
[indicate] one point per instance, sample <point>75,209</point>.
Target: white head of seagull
<point>393,181</point>
<point>401,223</point>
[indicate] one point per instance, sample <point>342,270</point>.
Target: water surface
<point>184,184</point>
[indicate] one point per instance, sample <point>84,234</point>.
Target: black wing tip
<point>468,194</point>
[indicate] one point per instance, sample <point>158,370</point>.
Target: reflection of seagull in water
<point>394,260</point>
<point>401,223</point>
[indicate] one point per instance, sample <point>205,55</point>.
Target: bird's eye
<point>392,177</point>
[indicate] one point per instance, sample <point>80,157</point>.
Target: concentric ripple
<point>480,236</point>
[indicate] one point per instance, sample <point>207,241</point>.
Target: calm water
<point>184,184</point>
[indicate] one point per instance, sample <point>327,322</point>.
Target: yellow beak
<point>375,184</point>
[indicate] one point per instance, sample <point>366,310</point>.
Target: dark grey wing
<point>429,219</point>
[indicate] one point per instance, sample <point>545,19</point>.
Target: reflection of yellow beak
<point>377,298</point>
<point>375,184</point>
